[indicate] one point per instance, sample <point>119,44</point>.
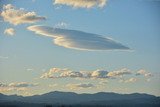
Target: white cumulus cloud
<point>19,16</point>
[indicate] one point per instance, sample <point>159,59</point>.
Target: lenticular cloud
<point>75,39</point>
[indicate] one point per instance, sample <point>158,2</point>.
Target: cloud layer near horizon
<point>19,86</point>
<point>19,16</point>
<point>96,74</point>
<point>75,39</point>
<point>81,3</point>
<point>123,75</point>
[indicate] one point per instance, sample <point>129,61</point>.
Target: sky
<point>82,46</point>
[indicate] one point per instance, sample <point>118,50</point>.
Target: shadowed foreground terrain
<point>69,99</point>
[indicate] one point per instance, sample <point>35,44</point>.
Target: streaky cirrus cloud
<point>75,39</point>
<point>19,16</point>
<point>81,3</point>
<point>9,31</point>
<point>80,86</point>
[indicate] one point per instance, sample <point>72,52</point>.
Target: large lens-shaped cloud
<point>77,39</point>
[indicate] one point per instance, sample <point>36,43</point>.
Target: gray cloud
<point>19,16</point>
<point>80,86</point>
<point>77,39</point>
<point>22,84</point>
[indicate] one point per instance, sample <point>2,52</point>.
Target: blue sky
<point>26,56</point>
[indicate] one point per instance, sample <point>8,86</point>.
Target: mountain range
<point>71,99</point>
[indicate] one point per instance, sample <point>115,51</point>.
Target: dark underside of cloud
<point>78,39</point>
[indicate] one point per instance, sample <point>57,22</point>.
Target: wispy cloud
<point>29,69</point>
<point>19,16</point>
<point>4,57</point>
<point>53,85</point>
<point>77,39</point>
<point>103,82</point>
<point>80,86</point>
<point>81,3</point>
<point>9,31</point>
<point>130,80</point>
<point>61,25</point>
